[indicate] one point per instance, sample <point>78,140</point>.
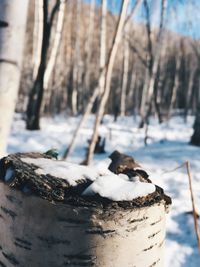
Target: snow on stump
<point>54,213</point>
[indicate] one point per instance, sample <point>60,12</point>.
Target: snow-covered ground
<point>167,148</point>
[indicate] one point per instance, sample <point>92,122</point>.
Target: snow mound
<point>70,172</point>
<point>105,183</point>
<point>116,188</point>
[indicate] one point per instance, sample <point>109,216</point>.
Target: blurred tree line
<point>76,69</point>
<point>80,57</point>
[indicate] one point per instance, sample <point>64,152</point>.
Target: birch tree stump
<point>43,230</point>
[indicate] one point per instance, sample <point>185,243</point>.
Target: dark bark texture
<point>195,139</point>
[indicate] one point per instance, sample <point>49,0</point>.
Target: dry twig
<point>187,164</point>
<point>195,215</point>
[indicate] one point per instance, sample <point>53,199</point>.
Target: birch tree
<point>13,16</point>
<point>37,35</point>
<point>88,51</point>
<point>175,85</point>
<point>54,51</point>
<point>99,88</point>
<point>36,94</point>
<point>125,72</point>
<point>108,76</point>
<point>155,64</point>
<point>76,63</point>
<point>102,61</point>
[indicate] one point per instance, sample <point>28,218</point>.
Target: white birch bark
<point>109,68</point>
<point>11,51</point>
<point>158,47</point>
<point>102,61</point>
<point>88,47</point>
<point>125,72</point>
<point>35,232</point>
<point>53,54</point>
<point>100,87</point>
<point>76,67</point>
<point>38,33</point>
<point>56,43</point>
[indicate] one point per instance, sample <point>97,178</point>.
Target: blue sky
<point>183,16</point>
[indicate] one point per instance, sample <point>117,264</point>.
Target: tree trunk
<point>109,68</point>
<point>54,51</point>
<point>37,36</point>
<point>195,139</point>
<point>12,33</point>
<point>175,86</point>
<point>99,88</point>
<point>88,52</point>
<point>80,232</point>
<point>189,92</point>
<point>125,72</point>
<point>102,61</point>
<point>36,94</point>
<point>76,65</point>
<point>153,74</point>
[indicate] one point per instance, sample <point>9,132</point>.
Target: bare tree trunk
<point>88,51</point>
<point>175,86</point>
<point>151,84</point>
<point>189,92</point>
<point>13,16</point>
<point>108,77</point>
<point>81,123</point>
<point>125,72</point>
<point>76,66</point>
<point>148,67</point>
<point>54,52</point>
<point>99,88</point>
<point>102,62</point>
<point>37,36</point>
<point>36,94</point>
<point>144,97</point>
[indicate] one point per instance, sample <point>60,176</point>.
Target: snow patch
<point>118,188</point>
<point>70,172</point>
<point>105,183</point>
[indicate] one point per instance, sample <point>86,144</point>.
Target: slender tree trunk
<point>151,84</point>
<point>36,94</point>
<point>144,97</point>
<point>76,65</point>
<point>99,88</point>
<point>37,36</point>
<point>108,77</point>
<point>102,62</point>
<point>13,16</point>
<point>189,93</point>
<point>125,72</point>
<point>88,52</point>
<point>54,52</point>
<point>81,123</point>
<point>175,86</point>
